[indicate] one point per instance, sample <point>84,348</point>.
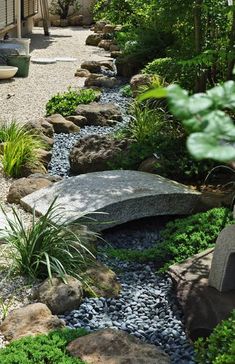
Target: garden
<point>117,203</point>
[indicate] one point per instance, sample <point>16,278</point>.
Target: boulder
<point>24,186</point>
<point>64,23</point>
<point>42,126</point>
<point>94,39</point>
<point>29,168</point>
<point>78,120</point>
<point>60,297</point>
<point>99,114</point>
<point>109,28</point>
<point>127,66</point>
<point>139,81</point>
<point>100,80</point>
<point>32,319</point>
<point>102,281</point>
<point>92,153</point>
<point>203,306</point>
<point>99,26</point>
<point>91,66</point>
<point>119,196</point>
<point>115,54</point>
<point>114,48</point>
<point>105,44</point>
<point>48,142</point>
<point>82,73</point>
<point>76,20</point>
<point>148,165</point>
<point>61,125</point>
<point>111,346</point>
<point>109,64</point>
<point>45,156</point>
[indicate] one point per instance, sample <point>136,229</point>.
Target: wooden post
<point>45,16</point>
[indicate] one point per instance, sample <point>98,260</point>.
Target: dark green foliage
<point>126,91</point>
<point>66,103</point>
<point>208,117</point>
<point>181,239</point>
<point>42,349</point>
<point>172,70</point>
<point>219,347</point>
<point>156,132</point>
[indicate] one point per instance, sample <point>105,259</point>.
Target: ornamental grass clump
<point>19,148</point>
<point>66,103</point>
<point>49,247</point>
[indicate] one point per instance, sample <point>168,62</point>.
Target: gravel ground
<point>63,143</point>
<point>146,307</point>
<point>28,96</point>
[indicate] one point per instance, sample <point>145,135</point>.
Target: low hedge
<point>42,349</point>
<point>219,347</point>
<point>180,239</point>
<point>172,70</point>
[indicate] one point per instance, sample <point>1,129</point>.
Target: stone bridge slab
<point>115,197</point>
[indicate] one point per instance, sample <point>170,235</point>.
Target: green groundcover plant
<point>19,148</point>
<point>180,239</point>
<point>67,102</point>
<point>219,347</point>
<point>48,247</point>
<point>42,349</point>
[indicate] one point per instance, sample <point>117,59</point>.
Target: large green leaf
<point>220,124</point>
<point>203,146</point>
<point>156,93</point>
<point>199,103</point>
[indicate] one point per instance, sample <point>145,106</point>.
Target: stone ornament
<point>222,271</point>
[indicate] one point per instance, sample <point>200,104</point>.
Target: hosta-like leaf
<point>199,103</point>
<point>207,146</point>
<point>220,124</point>
<point>178,101</point>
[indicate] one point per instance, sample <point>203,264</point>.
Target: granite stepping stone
<point>115,197</point>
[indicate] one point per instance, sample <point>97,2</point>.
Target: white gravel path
<point>28,96</point>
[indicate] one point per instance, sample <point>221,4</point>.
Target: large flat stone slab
<point>118,196</point>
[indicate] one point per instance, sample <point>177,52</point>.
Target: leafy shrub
<point>208,117</point>
<point>42,349</point>
<point>181,239</point>
<point>219,347</point>
<point>172,70</point>
<point>156,132</point>
<point>49,247</point>
<point>126,91</point>
<point>67,102</point>
<point>19,148</point>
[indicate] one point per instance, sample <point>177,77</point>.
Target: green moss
<point>219,347</point>
<point>180,239</point>
<point>42,349</point>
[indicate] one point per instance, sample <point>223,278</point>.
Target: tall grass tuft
<point>19,148</point>
<point>50,247</point>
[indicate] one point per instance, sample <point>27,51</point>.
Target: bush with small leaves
<point>219,347</point>
<point>180,239</point>
<point>66,103</point>
<point>42,349</point>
